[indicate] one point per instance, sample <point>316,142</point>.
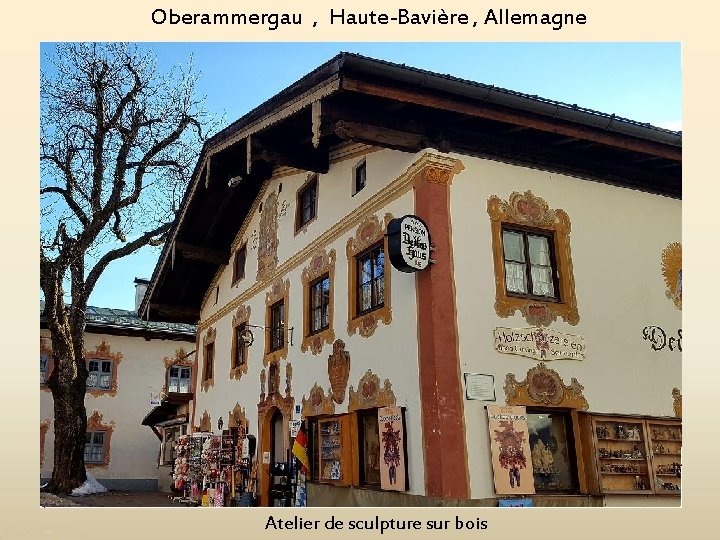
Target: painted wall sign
<point>539,343</point>
<point>479,386</point>
<point>408,243</point>
<point>510,450</point>
<point>659,339</point>
<point>392,449</point>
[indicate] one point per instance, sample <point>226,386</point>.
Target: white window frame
<point>44,369</point>
<point>100,372</point>
<point>179,379</point>
<point>362,164</point>
<point>89,446</point>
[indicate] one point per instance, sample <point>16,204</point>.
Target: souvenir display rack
<point>209,470</point>
<point>665,445</point>
<point>633,455</point>
<point>187,474</point>
<point>330,450</point>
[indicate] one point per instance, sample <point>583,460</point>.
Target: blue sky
<point>640,81</point>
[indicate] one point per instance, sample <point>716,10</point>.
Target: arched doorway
<point>274,414</point>
<point>275,444</point>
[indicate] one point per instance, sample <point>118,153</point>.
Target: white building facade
<point>554,287</point>
<point>135,367</point>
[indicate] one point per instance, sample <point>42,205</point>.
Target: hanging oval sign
<point>408,243</point>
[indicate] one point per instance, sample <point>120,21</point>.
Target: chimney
<point>141,286</point>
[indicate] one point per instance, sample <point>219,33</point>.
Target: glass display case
<point>330,450</point>
<point>621,455</point>
<point>633,455</point>
<point>665,446</point>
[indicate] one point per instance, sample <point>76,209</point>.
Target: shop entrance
<point>275,441</point>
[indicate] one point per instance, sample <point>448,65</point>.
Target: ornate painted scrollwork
<point>672,272</point>
<point>205,423</point>
<point>237,418</point>
<point>543,386</point>
<point>677,402</point>
<point>95,423</point>
<point>317,403</point>
<point>369,393</point>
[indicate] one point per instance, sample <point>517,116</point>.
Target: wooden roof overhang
<point>353,98</point>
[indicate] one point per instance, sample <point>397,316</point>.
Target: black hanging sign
<point>408,243</point>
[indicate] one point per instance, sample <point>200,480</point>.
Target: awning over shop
<point>168,412</point>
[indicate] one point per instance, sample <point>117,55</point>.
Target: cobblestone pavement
<point>112,499</point>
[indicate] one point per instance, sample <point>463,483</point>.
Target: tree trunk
<point>70,425</point>
<point>67,382</point>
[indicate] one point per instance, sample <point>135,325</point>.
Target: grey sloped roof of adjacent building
<point>126,322</point>
<point>128,319</point>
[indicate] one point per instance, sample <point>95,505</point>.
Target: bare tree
<point>118,145</point>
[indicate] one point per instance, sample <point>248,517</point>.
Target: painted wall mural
<point>339,370</point>
<point>268,239</point>
<point>672,272</point>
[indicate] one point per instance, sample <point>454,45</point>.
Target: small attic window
<point>359,177</point>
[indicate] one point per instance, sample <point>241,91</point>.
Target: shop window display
<point>665,447</point>
<point>352,449</point>
<point>330,450</point>
<point>552,451</point>
<point>635,455</point>
<point>369,443</point>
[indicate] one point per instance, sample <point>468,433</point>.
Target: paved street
<point>112,499</point>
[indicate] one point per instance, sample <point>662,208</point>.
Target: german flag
<point>299,449</point>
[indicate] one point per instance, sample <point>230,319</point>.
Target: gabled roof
<point>359,99</point>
